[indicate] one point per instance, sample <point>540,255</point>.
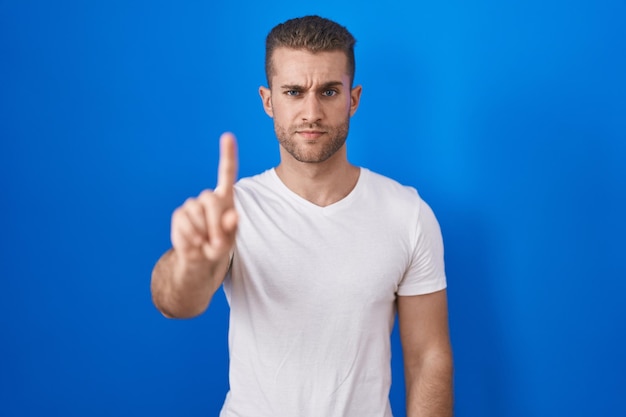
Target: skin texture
<point>311,115</point>
<point>203,235</point>
<point>427,354</point>
<point>311,101</point>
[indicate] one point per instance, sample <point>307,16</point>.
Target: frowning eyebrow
<point>324,86</point>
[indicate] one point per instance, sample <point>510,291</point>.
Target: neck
<point>322,183</point>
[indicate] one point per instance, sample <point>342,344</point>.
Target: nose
<point>312,109</point>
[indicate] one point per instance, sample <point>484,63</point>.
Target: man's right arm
<point>203,232</point>
<point>184,290</point>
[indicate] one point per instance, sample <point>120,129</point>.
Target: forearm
<point>429,387</point>
<point>184,289</point>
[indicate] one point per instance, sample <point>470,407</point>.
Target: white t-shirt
<point>312,295</point>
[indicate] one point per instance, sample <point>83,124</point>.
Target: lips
<point>310,134</point>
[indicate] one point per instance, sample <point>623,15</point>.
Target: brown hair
<point>312,33</point>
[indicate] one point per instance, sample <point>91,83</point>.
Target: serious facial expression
<point>311,102</point>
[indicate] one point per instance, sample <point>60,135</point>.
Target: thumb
<point>230,219</point>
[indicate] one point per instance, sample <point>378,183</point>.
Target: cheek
<point>282,113</point>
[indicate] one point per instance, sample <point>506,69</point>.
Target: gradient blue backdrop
<point>509,117</point>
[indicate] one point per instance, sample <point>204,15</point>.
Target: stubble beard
<point>310,153</point>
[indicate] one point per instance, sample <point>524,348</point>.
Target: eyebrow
<point>300,88</point>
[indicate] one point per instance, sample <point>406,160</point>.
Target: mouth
<point>310,134</point>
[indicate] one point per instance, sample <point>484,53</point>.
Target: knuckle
<point>180,225</point>
<point>188,203</point>
<point>177,214</point>
<point>206,195</point>
<point>191,211</point>
<point>193,207</point>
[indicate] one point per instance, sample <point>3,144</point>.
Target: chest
<point>298,260</point>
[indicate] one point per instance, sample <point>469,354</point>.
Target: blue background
<point>509,117</point>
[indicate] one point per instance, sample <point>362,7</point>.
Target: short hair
<point>311,33</point>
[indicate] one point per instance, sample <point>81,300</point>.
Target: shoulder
<point>389,190</point>
<point>261,190</point>
<point>259,183</point>
<point>402,203</point>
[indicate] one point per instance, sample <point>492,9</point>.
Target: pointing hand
<point>204,227</point>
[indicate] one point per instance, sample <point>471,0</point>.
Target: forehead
<point>298,65</point>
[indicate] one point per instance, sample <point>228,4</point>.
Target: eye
<point>292,93</point>
<point>329,93</point>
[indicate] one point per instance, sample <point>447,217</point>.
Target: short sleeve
<point>426,271</point>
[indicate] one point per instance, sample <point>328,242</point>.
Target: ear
<point>266,98</point>
<point>355,99</point>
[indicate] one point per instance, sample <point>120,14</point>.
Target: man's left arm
<point>427,353</point>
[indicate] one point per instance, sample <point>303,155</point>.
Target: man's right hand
<point>203,228</point>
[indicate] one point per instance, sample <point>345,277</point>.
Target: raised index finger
<point>227,168</point>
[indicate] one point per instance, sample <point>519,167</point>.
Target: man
<point>315,256</point>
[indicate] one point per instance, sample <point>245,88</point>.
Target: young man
<point>315,256</point>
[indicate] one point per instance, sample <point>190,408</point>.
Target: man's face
<point>311,102</point>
